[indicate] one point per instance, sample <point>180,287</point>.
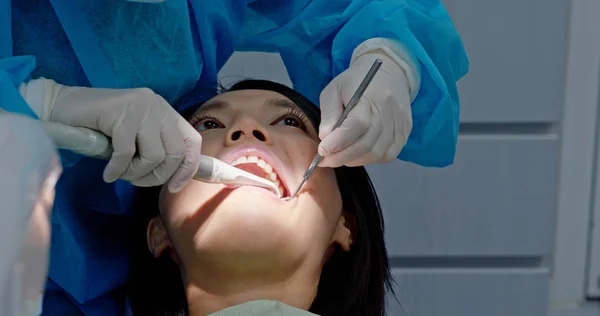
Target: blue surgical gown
<point>176,48</point>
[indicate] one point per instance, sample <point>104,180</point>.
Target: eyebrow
<point>214,105</point>
<point>281,103</point>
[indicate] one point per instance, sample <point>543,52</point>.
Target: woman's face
<point>264,133</point>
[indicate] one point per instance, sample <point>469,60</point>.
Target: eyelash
<point>202,117</point>
<point>294,113</point>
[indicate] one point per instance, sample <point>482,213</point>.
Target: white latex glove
<point>377,129</point>
<point>152,143</point>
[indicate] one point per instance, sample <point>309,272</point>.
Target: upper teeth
<point>271,175</point>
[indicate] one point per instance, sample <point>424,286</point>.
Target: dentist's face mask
<point>31,267</point>
<point>264,133</point>
<point>29,167</point>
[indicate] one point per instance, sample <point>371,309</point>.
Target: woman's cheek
<point>173,205</point>
<point>326,189</point>
<point>185,201</point>
<point>301,149</point>
<point>165,201</point>
<point>211,146</point>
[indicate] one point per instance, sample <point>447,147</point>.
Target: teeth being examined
<point>271,175</point>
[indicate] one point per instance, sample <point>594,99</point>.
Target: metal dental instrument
<point>94,144</point>
<point>353,102</point>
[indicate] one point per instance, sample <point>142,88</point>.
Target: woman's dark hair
<point>352,283</point>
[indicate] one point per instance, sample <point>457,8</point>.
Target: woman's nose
<point>247,130</point>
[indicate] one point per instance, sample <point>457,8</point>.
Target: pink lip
<point>260,191</point>
<point>266,155</point>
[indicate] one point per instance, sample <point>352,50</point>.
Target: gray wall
<point>471,239</point>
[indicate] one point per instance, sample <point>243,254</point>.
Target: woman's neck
<point>212,292</point>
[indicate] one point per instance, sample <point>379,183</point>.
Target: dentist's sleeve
<point>14,71</point>
<point>21,96</point>
<point>428,38</point>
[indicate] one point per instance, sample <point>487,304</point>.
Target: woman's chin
<point>252,220</point>
<point>243,242</point>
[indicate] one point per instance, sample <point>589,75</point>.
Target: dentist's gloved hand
<point>377,129</point>
<point>152,143</point>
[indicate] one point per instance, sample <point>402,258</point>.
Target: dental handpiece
<point>91,143</point>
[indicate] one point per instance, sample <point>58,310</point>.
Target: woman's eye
<point>289,121</point>
<point>208,124</point>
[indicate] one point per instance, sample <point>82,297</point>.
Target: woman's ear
<point>345,231</point>
<point>157,237</point>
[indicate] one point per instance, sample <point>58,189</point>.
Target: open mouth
<point>259,167</point>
